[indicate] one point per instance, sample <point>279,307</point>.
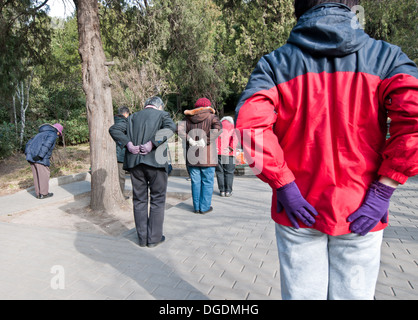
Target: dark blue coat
<point>39,148</point>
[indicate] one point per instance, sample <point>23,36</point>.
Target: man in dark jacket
<point>200,131</point>
<point>145,136</point>
<point>38,150</point>
<point>123,114</point>
<point>313,119</point>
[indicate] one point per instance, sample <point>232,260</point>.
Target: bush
<point>8,140</point>
<point>31,130</point>
<point>76,131</point>
<point>9,136</point>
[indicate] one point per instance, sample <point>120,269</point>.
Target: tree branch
<point>30,11</point>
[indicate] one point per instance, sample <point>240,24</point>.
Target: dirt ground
<point>16,174</point>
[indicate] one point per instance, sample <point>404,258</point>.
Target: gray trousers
<point>41,176</point>
<point>316,266</point>
<point>149,225</point>
<point>122,175</point>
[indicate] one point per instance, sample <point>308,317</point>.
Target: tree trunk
<point>23,94</point>
<point>105,190</point>
<point>15,114</point>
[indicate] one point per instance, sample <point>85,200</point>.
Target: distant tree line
<point>178,49</point>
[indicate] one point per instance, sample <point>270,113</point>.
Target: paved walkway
<point>227,254</point>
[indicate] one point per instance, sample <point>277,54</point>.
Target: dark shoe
<point>152,245</point>
<point>44,196</point>
<point>196,211</point>
<point>203,212</point>
<point>142,243</point>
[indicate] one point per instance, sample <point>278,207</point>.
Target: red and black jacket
<point>315,112</point>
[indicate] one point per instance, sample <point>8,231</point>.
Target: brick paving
<point>227,254</point>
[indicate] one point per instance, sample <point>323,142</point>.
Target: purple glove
<point>145,148</point>
<point>374,209</point>
<point>295,206</point>
<point>131,148</point>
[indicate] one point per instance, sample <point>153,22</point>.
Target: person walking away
<point>145,136</point>
<point>226,145</point>
<point>123,114</point>
<point>200,131</point>
<point>314,116</point>
<point>38,151</point>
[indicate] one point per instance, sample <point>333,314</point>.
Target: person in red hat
<point>38,151</point>
<point>200,131</point>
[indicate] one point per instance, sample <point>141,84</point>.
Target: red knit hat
<point>202,102</point>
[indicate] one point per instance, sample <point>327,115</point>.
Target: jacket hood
<point>326,29</point>
<point>199,114</point>
<point>229,119</point>
<point>47,127</point>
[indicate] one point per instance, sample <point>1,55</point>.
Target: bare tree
<point>106,194</point>
<point>132,84</point>
<point>22,94</point>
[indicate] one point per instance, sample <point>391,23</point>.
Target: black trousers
<point>149,226</point>
<point>225,173</point>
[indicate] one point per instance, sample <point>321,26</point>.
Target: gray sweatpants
<point>316,266</point>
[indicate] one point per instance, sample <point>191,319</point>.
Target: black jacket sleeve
<point>118,133</point>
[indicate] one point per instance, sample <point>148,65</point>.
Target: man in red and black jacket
<point>313,125</point>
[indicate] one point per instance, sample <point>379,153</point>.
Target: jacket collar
<point>199,110</point>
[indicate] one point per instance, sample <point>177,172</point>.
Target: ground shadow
<point>149,277</point>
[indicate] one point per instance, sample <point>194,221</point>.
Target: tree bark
<point>105,190</point>
<point>23,94</point>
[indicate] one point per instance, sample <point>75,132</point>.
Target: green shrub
<point>8,140</point>
<point>76,131</point>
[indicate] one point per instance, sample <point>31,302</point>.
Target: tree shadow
<point>142,271</point>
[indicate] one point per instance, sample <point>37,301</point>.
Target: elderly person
<point>38,151</point>
<point>200,131</point>
<point>227,144</point>
<point>123,114</point>
<point>145,134</point>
